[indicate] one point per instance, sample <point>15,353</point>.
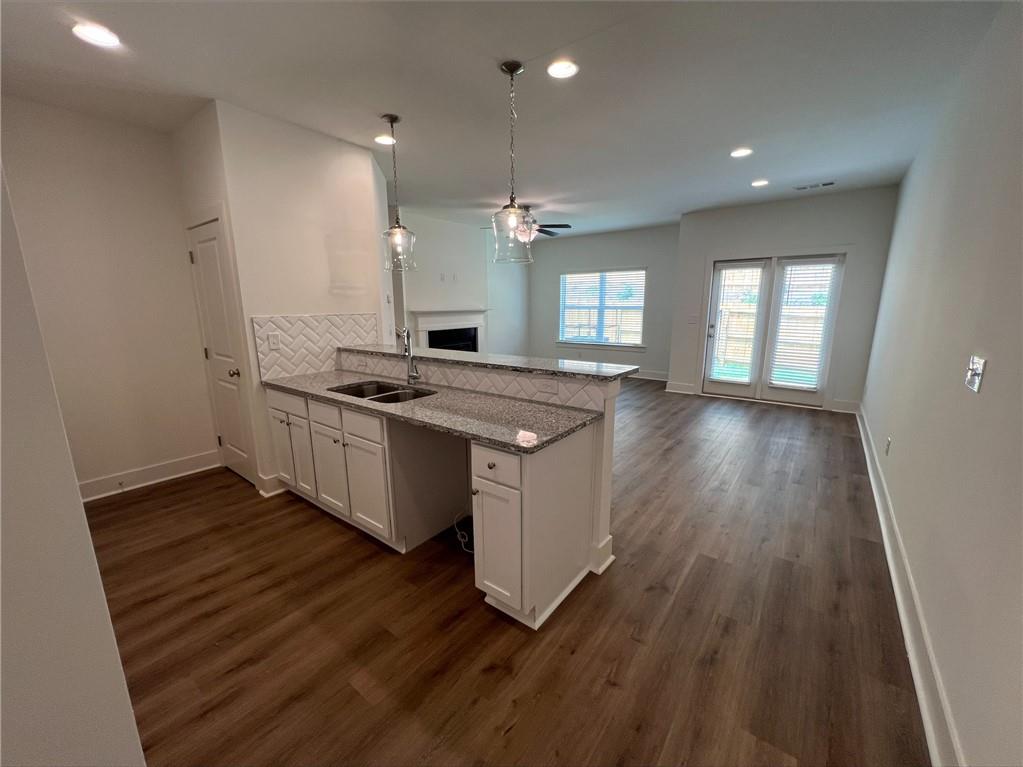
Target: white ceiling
<point>821,90</point>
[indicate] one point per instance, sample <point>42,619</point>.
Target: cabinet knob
<point>236,373</point>
<point>491,465</point>
<point>475,491</point>
<point>336,441</point>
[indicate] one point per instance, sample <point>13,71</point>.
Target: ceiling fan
<point>546,229</point>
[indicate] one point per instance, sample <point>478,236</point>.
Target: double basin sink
<point>381,391</point>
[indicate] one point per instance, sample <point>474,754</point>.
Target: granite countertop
<point>503,422</point>
<point>600,371</point>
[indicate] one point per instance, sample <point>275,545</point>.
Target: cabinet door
<point>497,540</point>
<point>331,470</point>
<point>367,483</point>
<point>302,448</point>
<point>281,436</point>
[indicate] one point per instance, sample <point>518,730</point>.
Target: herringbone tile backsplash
<point>308,341</point>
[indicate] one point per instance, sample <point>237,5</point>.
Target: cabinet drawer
<point>496,466</point>
<point>369,427</point>
<point>289,403</point>
<point>325,414</point>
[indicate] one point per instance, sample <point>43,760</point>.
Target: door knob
<point>236,373</point>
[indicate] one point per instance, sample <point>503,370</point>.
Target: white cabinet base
<point>531,618</point>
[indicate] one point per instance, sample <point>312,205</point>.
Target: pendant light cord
<point>511,124</point>
<point>394,171</point>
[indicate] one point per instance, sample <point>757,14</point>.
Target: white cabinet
<point>294,451</point>
<point>282,446</point>
<point>497,539</point>
<point>302,449</point>
<point>331,468</point>
<point>367,482</point>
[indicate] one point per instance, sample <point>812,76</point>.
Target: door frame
<point>795,396</point>
<point>845,250</point>
<point>218,213</point>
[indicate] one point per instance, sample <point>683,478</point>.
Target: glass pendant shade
<point>514,231</point>
<point>399,243</point>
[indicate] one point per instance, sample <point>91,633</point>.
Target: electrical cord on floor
<point>463,537</point>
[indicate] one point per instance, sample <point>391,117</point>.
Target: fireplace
<point>458,339</point>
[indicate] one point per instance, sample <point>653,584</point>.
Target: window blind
<point>798,350</point>
<point>603,307</point>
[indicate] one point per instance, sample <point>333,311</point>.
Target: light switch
<point>275,340</point>
<point>975,372</point>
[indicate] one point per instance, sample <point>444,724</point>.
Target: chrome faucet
<point>406,339</point>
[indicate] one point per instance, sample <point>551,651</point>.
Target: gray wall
<point>653,248</point>
<point>952,289</point>
<point>64,698</point>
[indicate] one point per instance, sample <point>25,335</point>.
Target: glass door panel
<point>736,329</point>
<point>800,336</point>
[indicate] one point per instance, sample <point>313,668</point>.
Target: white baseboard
<point>678,387</point>
<point>939,726</point>
<point>100,487</point>
<point>843,406</point>
<point>651,375</point>
<point>270,486</point>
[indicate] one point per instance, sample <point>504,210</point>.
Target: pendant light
<point>399,241</point>
<point>514,226</point>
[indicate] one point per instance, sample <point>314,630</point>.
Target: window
<point>603,307</point>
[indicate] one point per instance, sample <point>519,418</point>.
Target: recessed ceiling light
<point>562,68</point>
<point>760,182</point>
<point>741,151</point>
<point>96,34</point>
<point>386,140</point>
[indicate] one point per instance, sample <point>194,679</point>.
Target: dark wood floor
<point>748,620</point>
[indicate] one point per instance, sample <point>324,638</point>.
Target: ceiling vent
<point>821,185</point>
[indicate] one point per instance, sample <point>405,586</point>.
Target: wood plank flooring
<point>748,620</point>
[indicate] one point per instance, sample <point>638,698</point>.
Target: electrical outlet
<point>547,385</point>
<point>888,446</point>
<point>275,340</point>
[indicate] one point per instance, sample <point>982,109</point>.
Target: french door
<point>770,328</point>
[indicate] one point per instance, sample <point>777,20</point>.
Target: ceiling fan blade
<point>548,232</point>
<point>556,226</point>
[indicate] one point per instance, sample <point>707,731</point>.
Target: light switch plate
<point>975,372</point>
<point>274,339</point>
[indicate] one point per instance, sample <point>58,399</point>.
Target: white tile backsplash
<point>308,342</point>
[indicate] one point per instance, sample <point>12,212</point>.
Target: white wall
<point>653,248</point>
<point>451,264</point>
<point>952,289</point>
<point>101,227</point>
<point>507,307</point>
<point>858,223</point>
<point>65,701</point>
<point>306,214</point>
<point>455,271</point>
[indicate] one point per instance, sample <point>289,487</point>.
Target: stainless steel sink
<point>403,395</point>
<point>366,389</point>
<point>381,391</point>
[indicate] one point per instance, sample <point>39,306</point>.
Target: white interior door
<point>770,328</point>
<point>740,297</point>
<point>223,344</point>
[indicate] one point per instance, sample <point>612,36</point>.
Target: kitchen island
<point>522,444</point>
